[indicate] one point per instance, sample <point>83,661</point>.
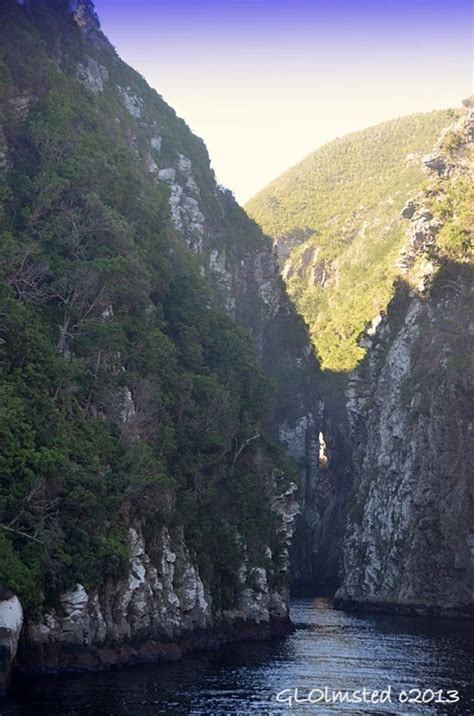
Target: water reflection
<point>329,648</point>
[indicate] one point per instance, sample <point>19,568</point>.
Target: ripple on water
<point>329,648</point>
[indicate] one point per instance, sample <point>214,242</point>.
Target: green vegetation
<point>339,210</point>
<point>456,238</point>
<point>127,396</point>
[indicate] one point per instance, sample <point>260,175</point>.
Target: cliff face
<point>152,509</point>
<point>409,541</point>
<point>336,225</point>
<point>160,610</point>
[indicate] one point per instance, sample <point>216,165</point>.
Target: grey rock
<point>88,22</point>
<point>408,210</point>
<point>3,160</point>
<point>11,623</point>
<point>421,235</point>
<point>151,165</point>
<point>127,408</point>
<point>167,175</point>
<point>21,104</point>
<point>184,164</point>
<point>92,75</point>
<point>156,143</point>
<point>409,545</point>
<point>161,596</point>
<point>132,102</point>
<point>436,162</point>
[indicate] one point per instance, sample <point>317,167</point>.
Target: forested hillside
<point>335,220</point>
<point>140,474</point>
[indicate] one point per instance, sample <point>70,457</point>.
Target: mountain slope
<point>150,359</point>
<point>335,221</point>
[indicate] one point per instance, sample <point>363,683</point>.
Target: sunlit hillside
<point>335,219</point>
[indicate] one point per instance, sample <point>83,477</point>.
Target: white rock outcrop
<point>133,103</point>
<point>161,596</point>
<point>186,214</point>
<point>92,75</point>
<point>11,623</point>
<point>160,600</point>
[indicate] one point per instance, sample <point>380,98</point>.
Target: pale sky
<point>265,83</point>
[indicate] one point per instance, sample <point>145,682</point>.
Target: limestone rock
<point>409,540</point>
<point>87,20</point>
<point>421,235</point>
<point>408,210</point>
<point>132,102</point>
<point>3,160</point>
<point>185,211</point>
<point>152,166</point>
<point>127,409</point>
<point>412,511</point>
<point>156,143</point>
<point>436,162</point>
<point>21,104</point>
<point>293,437</point>
<point>92,75</point>
<point>162,594</point>
<point>11,622</point>
<point>167,174</point>
<point>161,598</point>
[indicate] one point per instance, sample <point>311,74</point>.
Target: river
<point>340,651</point>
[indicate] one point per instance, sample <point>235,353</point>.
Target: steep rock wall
<point>159,611</point>
<point>409,541</point>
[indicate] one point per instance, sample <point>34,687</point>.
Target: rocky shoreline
<point>19,658</point>
<point>159,611</point>
<point>375,606</point>
<point>56,658</point>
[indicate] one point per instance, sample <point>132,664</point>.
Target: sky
<point>266,82</point>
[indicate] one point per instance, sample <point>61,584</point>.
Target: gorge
<point>404,493</point>
<point>176,446</point>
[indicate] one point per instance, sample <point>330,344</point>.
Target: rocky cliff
<point>409,541</point>
<point>160,610</point>
<point>145,506</point>
<point>335,219</point>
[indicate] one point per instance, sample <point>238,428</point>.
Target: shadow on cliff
<point>318,543</point>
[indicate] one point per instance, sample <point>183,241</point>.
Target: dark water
<point>329,648</point>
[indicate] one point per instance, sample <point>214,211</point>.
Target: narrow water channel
<point>332,649</point>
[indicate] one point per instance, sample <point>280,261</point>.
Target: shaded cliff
<point>151,363</point>
<point>409,540</point>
